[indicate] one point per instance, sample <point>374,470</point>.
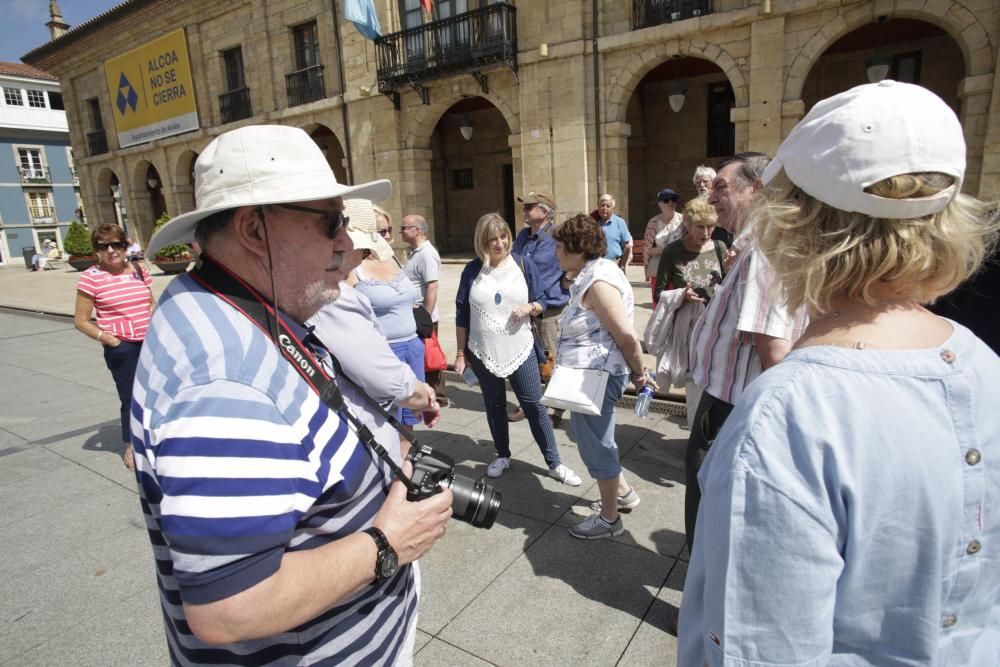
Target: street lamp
<point>676,95</point>
<point>466,127</point>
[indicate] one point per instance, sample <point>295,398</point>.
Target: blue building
<point>39,188</point>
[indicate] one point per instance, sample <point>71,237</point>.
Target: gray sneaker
<point>594,528</point>
<point>626,503</point>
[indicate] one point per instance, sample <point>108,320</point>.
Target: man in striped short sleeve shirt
<point>743,332</point>
<point>272,525</point>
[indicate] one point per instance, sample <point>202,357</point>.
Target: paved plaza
<point>79,584</point>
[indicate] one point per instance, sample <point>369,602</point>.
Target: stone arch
<point>106,211</point>
<point>330,143</point>
<point>426,118</point>
<point>952,17</point>
<point>621,90</point>
<point>183,181</point>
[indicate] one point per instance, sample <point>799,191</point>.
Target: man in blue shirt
<point>535,241</point>
<point>616,232</point>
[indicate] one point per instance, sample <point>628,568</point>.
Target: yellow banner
<point>152,95</point>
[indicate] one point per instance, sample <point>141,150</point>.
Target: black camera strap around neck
<point>236,292</point>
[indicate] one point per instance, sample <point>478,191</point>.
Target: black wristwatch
<point>387,562</point>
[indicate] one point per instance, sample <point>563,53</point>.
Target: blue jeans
<point>411,353</point>
<point>528,388</point>
<point>595,434</point>
<point>122,361</point>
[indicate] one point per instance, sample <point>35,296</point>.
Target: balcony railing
<point>97,142</point>
<point>305,85</point>
<point>463,43</point>
<point>76,176</point>
<point>647,13</point>
<point>42,215</point>
<point>35,176</point>
<point>235,105</point>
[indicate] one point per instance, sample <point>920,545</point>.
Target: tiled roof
<point>19,69</point>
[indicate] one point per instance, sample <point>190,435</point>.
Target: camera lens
<point>474,502</point>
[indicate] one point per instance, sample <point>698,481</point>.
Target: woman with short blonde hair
<point>858,479</point>
<point>497,295</point>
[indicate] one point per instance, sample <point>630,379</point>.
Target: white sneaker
<point>498,467</point>
<point>565,475</point>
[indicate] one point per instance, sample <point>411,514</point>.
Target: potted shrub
<point>77,245</point>
<point>171,258</point>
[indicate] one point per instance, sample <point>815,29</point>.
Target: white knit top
<point>494,337</point>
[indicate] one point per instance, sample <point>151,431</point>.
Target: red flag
<point>426,4</point>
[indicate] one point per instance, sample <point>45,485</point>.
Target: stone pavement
<point>79,586</point>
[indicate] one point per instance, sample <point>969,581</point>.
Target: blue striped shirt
<point>240,462</point>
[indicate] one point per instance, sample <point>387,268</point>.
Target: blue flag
<point>362,14</point>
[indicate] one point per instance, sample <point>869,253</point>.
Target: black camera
<point>473,501</point>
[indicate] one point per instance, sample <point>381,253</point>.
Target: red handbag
<point>434,359</point>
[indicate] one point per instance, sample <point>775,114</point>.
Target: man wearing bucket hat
<point>849,514</point>
<point>278,535</point>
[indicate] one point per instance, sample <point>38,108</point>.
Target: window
<point>306,45</point>
<point>232,63</point>
<point>905,67</point>
<point>462,179</point>
<point>94,107</point>
<point>31,160</point>
<point>56,101</point>
<point>36,98</point>
<point>40,206</point>
<point>12,96</point>
<point>721,131</point>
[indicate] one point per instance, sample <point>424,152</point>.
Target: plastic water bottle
<point>644,399</point>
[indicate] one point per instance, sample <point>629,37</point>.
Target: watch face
<point>389,565</point>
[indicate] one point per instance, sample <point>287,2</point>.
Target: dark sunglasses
<point>334,220</point>
<point>384,232</point>
<point>528,207</point>
<point>117,245</point>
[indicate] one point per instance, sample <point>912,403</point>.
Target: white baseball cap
<point>363,230</point>
<point>868,134</point>
<point>257,165</point>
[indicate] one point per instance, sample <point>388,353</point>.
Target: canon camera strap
<point>229,287</point>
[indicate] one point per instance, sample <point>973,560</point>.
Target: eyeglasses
<point>384,232</point>
<point>408,227</point>
<point>117,245</point>
<point>528,207</point>
<point>334,220</point>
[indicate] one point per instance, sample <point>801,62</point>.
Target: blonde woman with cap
<point>848,514</point>
<point>378,276</point>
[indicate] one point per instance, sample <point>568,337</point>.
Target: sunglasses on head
<point>334,220</point>
<point>117,245</point>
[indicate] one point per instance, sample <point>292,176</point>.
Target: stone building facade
<point>574,97</point>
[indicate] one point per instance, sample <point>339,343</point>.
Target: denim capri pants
<point>595,434</point>
<point>411,353</point>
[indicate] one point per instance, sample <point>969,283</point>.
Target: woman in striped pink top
<point>119,291</point>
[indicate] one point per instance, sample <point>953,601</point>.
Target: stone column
<point>615,165</point>
<point>980,118</point>
<point>767,62</point>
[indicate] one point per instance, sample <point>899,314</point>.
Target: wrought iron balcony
<point>235,105</point>
<point>646,13</point>
<point>97,142</point>
<point>305,85</point>
<point>35,176</point>
<point>464,43</point>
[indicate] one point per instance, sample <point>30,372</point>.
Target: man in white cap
<point>279,537</point>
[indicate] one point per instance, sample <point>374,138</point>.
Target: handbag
<point>577,389</point>
<point>546,367</point>
<point>425,327</point>
<point>434,359</point>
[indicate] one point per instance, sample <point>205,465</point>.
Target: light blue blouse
<point>851,514</point>
<point>392,301</point>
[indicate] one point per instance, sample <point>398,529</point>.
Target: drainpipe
<point>343,95</point>
<point>597,99</point>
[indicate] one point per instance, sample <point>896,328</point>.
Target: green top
<point>680,267</point>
